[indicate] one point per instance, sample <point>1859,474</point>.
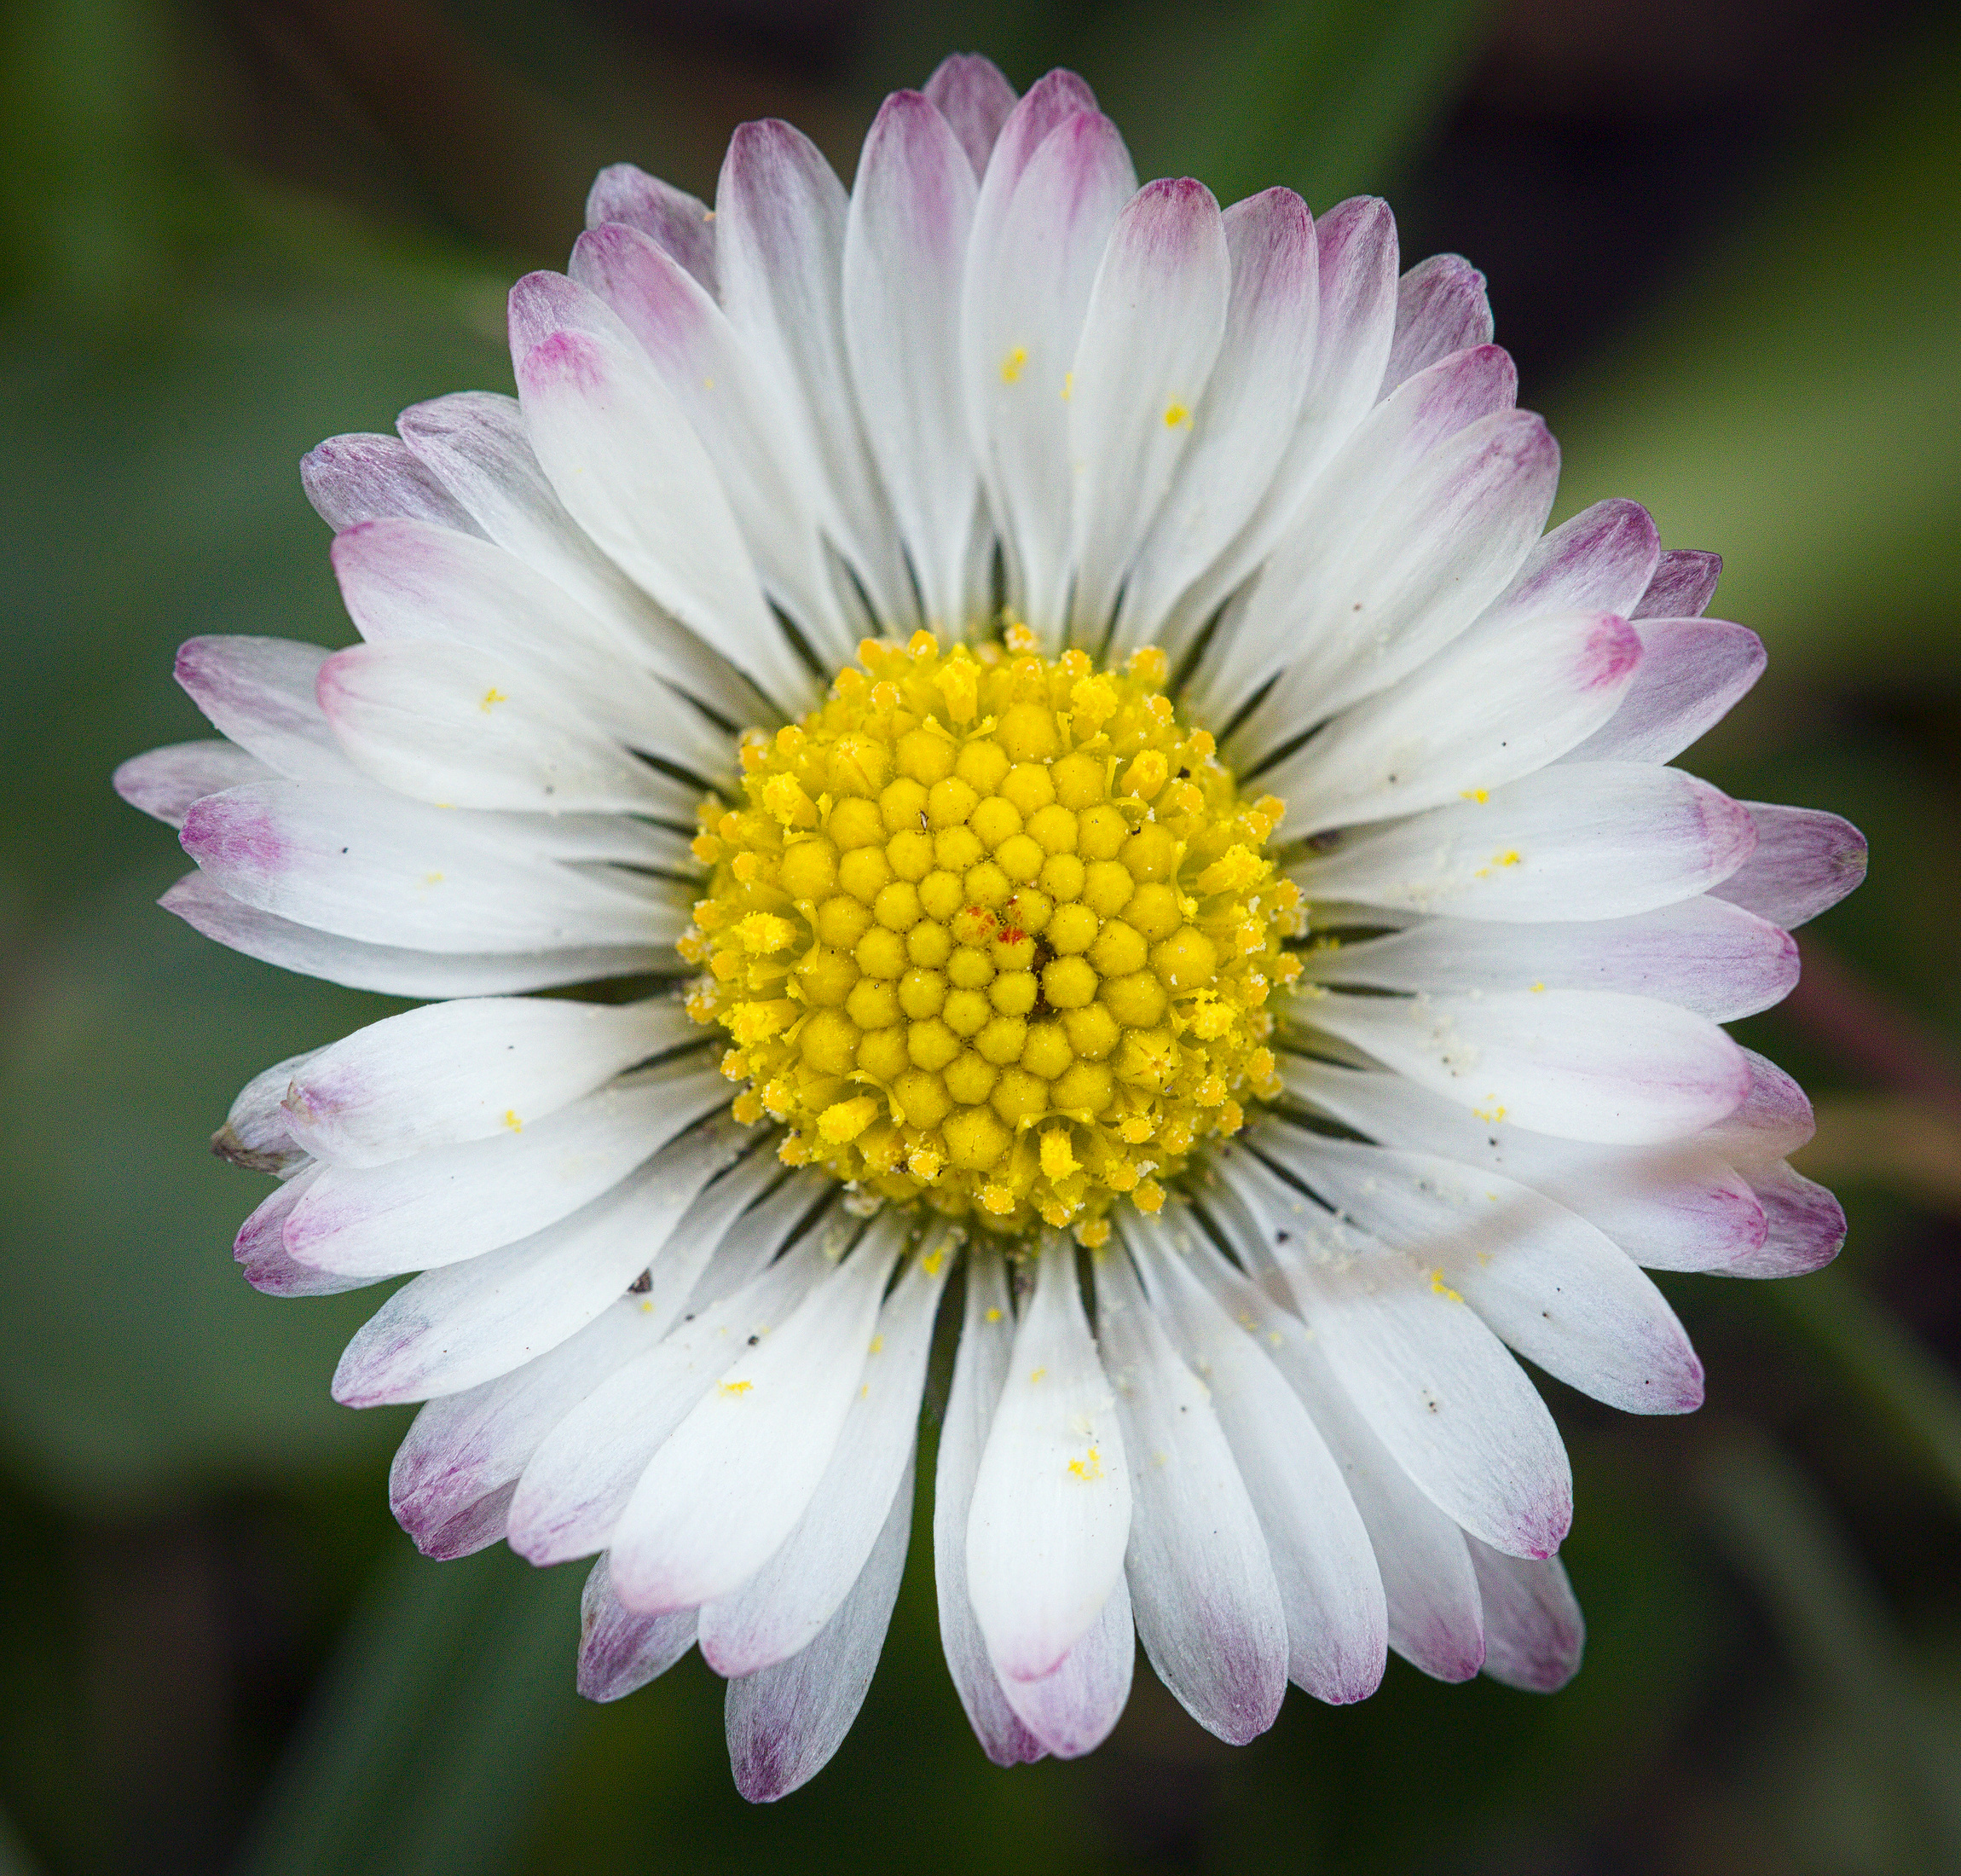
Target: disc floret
<point>993,929</point>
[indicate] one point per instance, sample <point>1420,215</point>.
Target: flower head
<point>1055,711</point>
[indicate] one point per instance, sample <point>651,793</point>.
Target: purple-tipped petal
<point>1533,1632</point>
<point>970,92</point>
<point>784,1723</point>
<point>261,1253</point>
<point>261,693</point>
<point>620,1652</point>
<point>1599,561</point>
<point>1684,583</point>
<point>1072,1710</point>
<point>1806,861</point>
<point>356,478</point>
<point>1806,1225</point>
<point>678,223</point>
<point>1440,309</point>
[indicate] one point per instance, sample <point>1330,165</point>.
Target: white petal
<point>454,1475</point>
<point>1550,1284</point>
<point>1039,228</point>
<point>464,728</point>
<point>980,1363</point>
<point>905,260</point>
<point>580,1478</point>
<point>628,464</point>
<point>1596,840</point>
<point>260,693</point>
<point>728,1486</point>
<point>469,1322</point>
<point>1421,568</point>
<point>163,781</point>
<point>970,92</point>
<point>780,218</point>
<point>1071,1711</point>
<point>1708,956</point>
<point>1052,1510</point>
<point>477,442</point>
<point>1693,671</point>
<point>1440,309</point>
<point>1336,1619</point>
<point>467,1070</point>
<point>779,1612</point>
<point>680,225</point>
<point>1428,1583</point>
<point>1249,412</point>
<point>1677,1206</point>
<point>1208,1604</point>
<point>1581,1064</point>
<point>1534,1633</point>
<point>1151,333</point>
<point>410,586</point>
<point>620,1652</point>
<point>207,908</point>
<point>1435,1386</point>
<point>1486,712</point>
<point>1804,862</point>
<point>356,478</point>
<point>784,1723</point>
<point>456,1202</point>
<point>1270,625</point>
<point>365,864</point>
<point>1356,280</point>
<point>774,487</point>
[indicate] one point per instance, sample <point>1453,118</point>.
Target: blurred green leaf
<point>1798,407</point>
<point>437,1729</point>
<point>1912,1392</point>
<point>1782,1537</point>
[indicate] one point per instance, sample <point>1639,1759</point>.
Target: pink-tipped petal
<point>1684,583</point>
<point>1073,1709</point>
<point>356,478</point>
<point>163,783</point>
<point>1534,1633</point>
<point>678,223</point>
<point>1806,1225</point>
<point>1692,672</point>
<point>1151,334</point>
<point>970,92</point>
<point>1805,861</point>
<point>784,1724</point>
<point>905,264</point>
<point>1440,308</point>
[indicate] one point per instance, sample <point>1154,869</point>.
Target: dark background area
<point>1723,242</point>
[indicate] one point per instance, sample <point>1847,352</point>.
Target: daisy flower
<point>1095,823</point>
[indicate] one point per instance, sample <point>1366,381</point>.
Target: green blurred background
<point>1724,241</point>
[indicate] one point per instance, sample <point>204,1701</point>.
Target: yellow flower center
<point>993,930</point>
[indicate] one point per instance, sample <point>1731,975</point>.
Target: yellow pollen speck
<point>511,1120</point>
<point>1538,987</point>
<point>491,696</point>
<point>1492,1112</point>
<point>1441,1289</point>
<point>994,1313</point>
<point>1175,414</point>
<point>736,1386</point>
<point>878,1345</point>
<point>1035,1379</point>
<point>1012,364</point>
<point>1478,794</point>
<point>1089,1466</point>
<point>432,879</point>
<point>1068,385</point>
<point>993,932</point>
